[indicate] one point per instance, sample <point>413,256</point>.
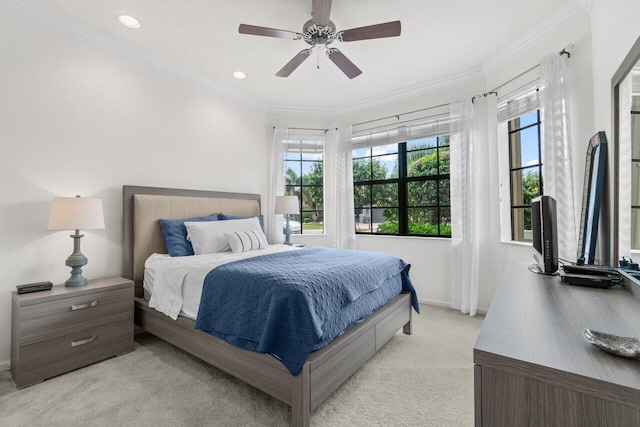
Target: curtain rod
<point>323,130</point>
<point>565,51</point>
<point>397,116</point>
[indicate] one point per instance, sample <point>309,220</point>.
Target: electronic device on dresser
<point>545,234</point>
<point>585,272</point>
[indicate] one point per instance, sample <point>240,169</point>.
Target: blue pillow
<point>223,217</point>
<point>174,234</point>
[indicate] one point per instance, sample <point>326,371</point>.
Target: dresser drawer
<point>74,315</point>
<point>64,353</point>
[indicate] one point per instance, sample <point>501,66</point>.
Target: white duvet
<point>175,283</point>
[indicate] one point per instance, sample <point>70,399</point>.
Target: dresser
<point>66,328</point>
<point>534,368</point>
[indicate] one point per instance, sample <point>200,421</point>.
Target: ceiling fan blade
<point>343,63</point>
<point>294,63</point>
<point>378,31</point>
<point>321,11</point>
<point>268,32</point>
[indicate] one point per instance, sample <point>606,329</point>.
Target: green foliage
<point>530,190</point>
<point>415,228</point>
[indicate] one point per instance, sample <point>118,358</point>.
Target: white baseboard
<point>479,310</point>
<point>4,365</point>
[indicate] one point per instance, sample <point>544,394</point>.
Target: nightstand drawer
<point>55,356</point>
<point>72,315</point>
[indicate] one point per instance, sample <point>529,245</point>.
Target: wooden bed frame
<point>325,369</point>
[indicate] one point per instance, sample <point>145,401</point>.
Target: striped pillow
<point>245,241</point>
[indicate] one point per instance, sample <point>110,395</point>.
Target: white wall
<point>77,120</point>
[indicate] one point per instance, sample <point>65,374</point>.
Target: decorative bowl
<point>614,344</point>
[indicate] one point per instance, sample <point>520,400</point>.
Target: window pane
<point>313,156</point>
<point>529,119</point>
<point>313,223</point>
<point>524,147</point>
<point>384,149</point>
<point>384,221</point>
<point>385,167</point>
<point>292,172</point>
<point>422,163</point>
<point>422,193</point>
<point>423,220</point>
<point>292,156</point>
<point>445,193</point>
<point>444,161</point>
<point>361,170</point>
<point>635,228</point>
<point>361,196</point>
<point>363,220</point>
<point>521,224</point>
<point>445,221</point>
<point>635,183</point>
<point>292,190</point>
<point>385,194</point>
<point>312,198</point>
<point>635,135</point>
<point>525,185</point>
<point>422,143</point>
<point>312,173</point>
<point>443,141</point>
<point>361,152</point>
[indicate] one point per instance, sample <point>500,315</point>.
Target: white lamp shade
<point>76,213</point>
<point>287,205</point>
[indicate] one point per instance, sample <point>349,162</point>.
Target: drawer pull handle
<point>86,305</point>
<point>83,342</point>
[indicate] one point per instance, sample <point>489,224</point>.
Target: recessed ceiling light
<point>129,21</point>
<point>239,75</point>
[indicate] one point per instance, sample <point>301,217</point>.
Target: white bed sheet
<point>175,283</point>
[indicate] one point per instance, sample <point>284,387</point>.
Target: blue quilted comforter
<point>290,303</point>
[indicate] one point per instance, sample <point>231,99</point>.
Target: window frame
<point>402,182</point>
<point>301,184</point>
<point>513,207</point>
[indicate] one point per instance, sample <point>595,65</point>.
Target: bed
<point>324,370</point>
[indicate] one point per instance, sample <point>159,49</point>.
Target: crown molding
<point>411,91</point>
<point>562,17</point>
<point>30,12</point>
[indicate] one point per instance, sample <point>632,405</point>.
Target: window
<point>525,171</point>
<point>635,170</point>
<point>403,188</point>
<point>304,178</point>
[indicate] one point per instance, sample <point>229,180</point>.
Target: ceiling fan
<point>319,30</point>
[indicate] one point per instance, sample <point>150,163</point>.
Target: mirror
<point>626,137</point>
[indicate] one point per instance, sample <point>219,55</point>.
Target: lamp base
<point>76,261</point>
<point>287,232</point>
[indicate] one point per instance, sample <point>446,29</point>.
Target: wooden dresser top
<point>538,320</point>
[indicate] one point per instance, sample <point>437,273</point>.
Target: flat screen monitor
<point>594,170</point>
<point>545,237</point>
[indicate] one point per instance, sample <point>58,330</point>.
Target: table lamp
<point>287,205</point>
<point>76,213</point>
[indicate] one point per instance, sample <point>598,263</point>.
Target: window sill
<point>390,236</point>
<point>515,243</point>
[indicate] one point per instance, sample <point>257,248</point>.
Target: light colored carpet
<point>425,379</point>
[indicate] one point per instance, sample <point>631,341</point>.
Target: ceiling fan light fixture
<point>239,75</point>
<point>129,21</point>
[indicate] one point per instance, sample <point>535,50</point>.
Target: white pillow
<point>208,237</point>
<point>245,241</point>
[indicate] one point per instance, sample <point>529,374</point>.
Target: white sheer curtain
<point>465,240</point>
<point>344,234</point>
<point>273,223</point>
<point>556,150</point>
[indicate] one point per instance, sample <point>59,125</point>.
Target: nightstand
<point>66,328</point>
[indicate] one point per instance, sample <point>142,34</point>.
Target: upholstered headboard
<point>144,207</point>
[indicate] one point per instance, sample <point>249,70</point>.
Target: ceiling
<point>439,38</point>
